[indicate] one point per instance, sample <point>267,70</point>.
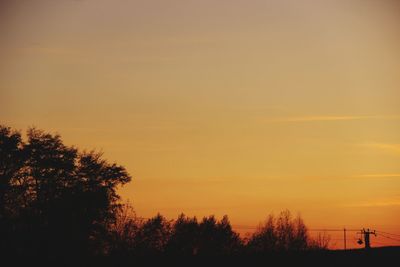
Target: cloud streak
<point>383,175</point>
<point>394,148</point>
<point>379,203</point>
<point>330,118</point>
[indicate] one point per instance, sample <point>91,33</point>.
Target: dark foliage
<point>283,233</point>
<point>55,201</point>
<point>59,205</point>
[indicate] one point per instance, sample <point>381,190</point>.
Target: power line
<point>398,240</point>
<point>382,243</point>
<point>326,230</point>
<point>387,233</point>
<point>313,230</point>
<point>244,227</point>
<point>333,230</point>
<point>248,227</point>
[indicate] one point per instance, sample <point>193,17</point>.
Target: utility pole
<point>367,234</point>
<point>344,237</point>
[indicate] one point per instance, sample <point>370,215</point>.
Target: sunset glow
<point>220,107</point>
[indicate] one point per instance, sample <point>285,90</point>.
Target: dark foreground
<point>386,256</point>
<point>60,207</point>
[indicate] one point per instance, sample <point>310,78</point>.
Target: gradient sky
<point>220,107</point>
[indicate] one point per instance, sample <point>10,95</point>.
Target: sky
<point>221,107</point>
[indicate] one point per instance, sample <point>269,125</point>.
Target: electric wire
<point>387,233</point>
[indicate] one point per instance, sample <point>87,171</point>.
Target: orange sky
<point>220,107</point>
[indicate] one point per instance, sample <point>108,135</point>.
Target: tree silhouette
<point>152,236</point>
<point>11,162</point>
<point>12,159</point>
<point>59,200</point>
<point>58,204</point>
<point>264,239</point>
<point>123,231</point>
<point>217,237</point>
<point>283,233</point>
<point>184,237</point>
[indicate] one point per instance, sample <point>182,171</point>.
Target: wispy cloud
<point>382,175</point>
<point>330,118</point>
<point>394,148</point>
<point>378,203</point>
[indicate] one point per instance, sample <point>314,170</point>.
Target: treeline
<point>57,203</point>
<point>188,236</point>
